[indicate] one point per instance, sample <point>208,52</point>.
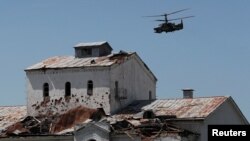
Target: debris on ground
<point>47,125</point>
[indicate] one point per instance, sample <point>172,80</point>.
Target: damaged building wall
<point>135,82</point>
<point>37,104</point>
<point>114,86</point>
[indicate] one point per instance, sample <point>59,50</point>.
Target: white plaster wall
<point>135,78</point>
<point>57,79</point>
<point>131,74</point>
<point>225,114</point>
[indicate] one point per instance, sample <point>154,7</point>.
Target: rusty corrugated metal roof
<point>61,62</point>
<point>10,115</point>
<point>192,108</point>
<point>187,107</point>
<point>72,62</point>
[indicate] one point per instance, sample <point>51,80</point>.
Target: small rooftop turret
<point>94,49</point>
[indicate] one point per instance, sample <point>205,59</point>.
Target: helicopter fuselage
<point>168,27</point>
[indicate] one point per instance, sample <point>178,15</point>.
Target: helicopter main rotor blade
<point>177,11</point>
<point>154,16</point>
<point>160,20</point>
<point>181,18</point>
<point>166,14</point>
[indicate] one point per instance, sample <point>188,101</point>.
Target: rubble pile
<point>146,128</point>
<point>51,124</point>
<point>147,124</point>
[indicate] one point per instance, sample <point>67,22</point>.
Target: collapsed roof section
<point>10,115</point>
<point>52,124</point>
<point>148,129</point>
<point>147,119</point>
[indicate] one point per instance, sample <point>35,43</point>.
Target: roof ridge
<point>193,97</point>
<point>54,62</point>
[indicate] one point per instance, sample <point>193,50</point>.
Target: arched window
<point>67,89</point>
<point>45,90</point>
<point>90,87</point>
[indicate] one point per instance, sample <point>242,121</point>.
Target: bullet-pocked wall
<point>57,101</point>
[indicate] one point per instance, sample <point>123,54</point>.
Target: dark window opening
<point>90,87</point>
<point>148,114</point>
<point>67,89</point>
<point>150,95</point>
<point>116,88</point>
<point>91,140</point>
<point>45,90</point>
<point>87,51</point>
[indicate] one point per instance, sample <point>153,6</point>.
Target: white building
<point>94,78</point>
<point>190,113</point>
<point>99,95</point>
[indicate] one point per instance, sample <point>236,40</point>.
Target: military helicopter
<point>169,26</point>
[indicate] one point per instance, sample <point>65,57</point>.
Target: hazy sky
<point>211,54</point>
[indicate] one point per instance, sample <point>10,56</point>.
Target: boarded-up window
<point>45,90</point>
<point>67,89</point>
<point>90,87</point>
